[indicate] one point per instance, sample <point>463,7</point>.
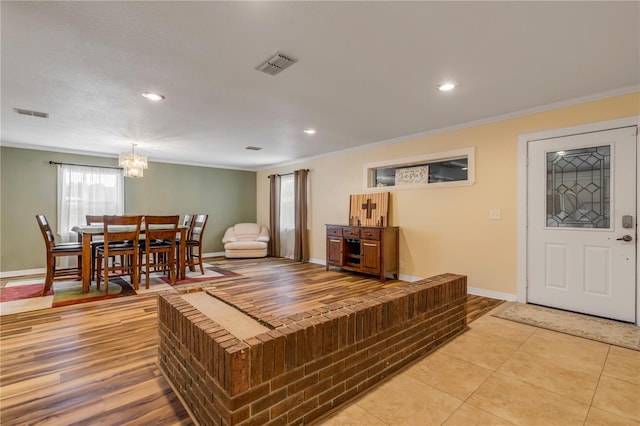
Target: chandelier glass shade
<point>132,164</point>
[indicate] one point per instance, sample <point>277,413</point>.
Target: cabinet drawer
<point>334,231</point>
<point>370,234</point>
<point>351,232</point>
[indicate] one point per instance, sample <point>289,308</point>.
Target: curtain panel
<point>301,241</point>
<point>274,215</point>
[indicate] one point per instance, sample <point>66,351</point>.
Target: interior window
<point>452,168</point>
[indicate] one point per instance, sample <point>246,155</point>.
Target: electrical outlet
<point>401,264</point>
<point>495,214</point>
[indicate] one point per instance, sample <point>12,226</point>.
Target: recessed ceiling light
<point>447,86</point>
<point>153,96</point>
<point>309,131</point>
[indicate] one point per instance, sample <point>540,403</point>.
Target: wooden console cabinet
<point>365,249</point>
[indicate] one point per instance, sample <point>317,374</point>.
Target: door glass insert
<point>579,188</point>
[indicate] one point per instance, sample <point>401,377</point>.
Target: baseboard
<point>492,294</point>
<point>11,274</point>
<point>409,278</point>
<point>214,254</point>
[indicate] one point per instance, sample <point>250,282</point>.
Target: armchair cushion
<point>244,245</point>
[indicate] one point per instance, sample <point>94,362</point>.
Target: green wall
<point>29,183</point>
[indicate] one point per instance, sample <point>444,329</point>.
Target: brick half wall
<point>307,364</point>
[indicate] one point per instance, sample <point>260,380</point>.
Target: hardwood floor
<point>96,363</point>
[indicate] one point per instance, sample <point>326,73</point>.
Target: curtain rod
<point>84,165</point>
<point>287,174</point>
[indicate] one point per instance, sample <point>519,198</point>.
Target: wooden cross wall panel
<point>369,209</point>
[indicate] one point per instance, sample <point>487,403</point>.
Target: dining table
<point>87,232</point>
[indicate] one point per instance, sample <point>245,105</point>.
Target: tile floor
<point>505,373</point>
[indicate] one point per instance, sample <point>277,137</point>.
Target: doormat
<point>589,327</point>
<point>20,296</point>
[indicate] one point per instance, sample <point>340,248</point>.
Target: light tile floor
<point>504,373</point>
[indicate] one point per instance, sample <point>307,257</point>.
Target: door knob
<point>626,238</point>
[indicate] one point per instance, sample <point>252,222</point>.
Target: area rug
<point>594,328</point>
<point>23,295</point>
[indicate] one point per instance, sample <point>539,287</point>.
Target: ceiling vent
<point>31,113</point>
<point>253,148</point>
<point>276,64</point>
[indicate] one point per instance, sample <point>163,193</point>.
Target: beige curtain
<point>301,243</point>
<point>274,215</point>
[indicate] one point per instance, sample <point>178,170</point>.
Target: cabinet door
<point>370,251</point>
<point>334,251</point>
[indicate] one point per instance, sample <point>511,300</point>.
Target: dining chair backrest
<point>197,229</point>
<point>121,228</point>
<point>160,234</point>
<point>160,241</point>
<point>94,219</point>
<point>188,222</point>
<point>47,233</point>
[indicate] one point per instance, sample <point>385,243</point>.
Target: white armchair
<point>246,240</point>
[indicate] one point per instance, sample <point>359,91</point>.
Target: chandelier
<point>133,164</point>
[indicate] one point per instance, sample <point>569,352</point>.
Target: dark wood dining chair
<point>55,250</point>
<point>194,242</point>
<point>159,247</point>
<point>121,234</point>
<point>96,240</point>
<point>188,222</point>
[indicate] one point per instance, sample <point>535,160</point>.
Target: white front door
<point>581,223</point>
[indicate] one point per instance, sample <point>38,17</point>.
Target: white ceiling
<point>366,72</point>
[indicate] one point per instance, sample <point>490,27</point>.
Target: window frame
<point>65,213</point>
<point>468,153</point>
